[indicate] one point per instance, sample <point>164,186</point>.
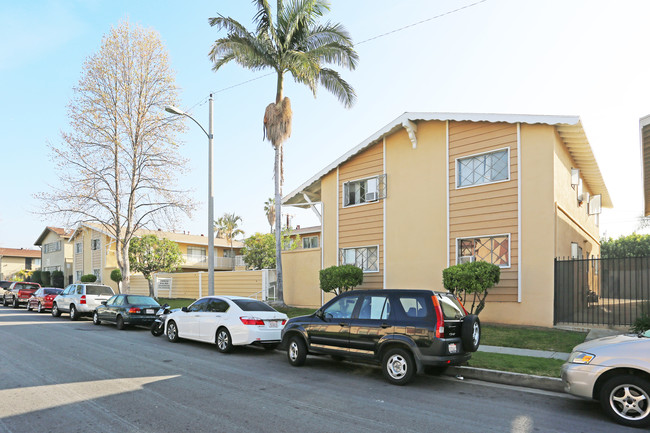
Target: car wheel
<point>15,302</point>
<point>626,399</point>
<point>73,312</point>
<point>28,307</point>
<point>270,346</point>
<point>96,320</point>
<point>39,308</point>
<point>223,340</point>
<point>4,301</point>
<point>156,329</point>
<point>471,333</point>
<point>297,351</point>
<point>398,366</point>
<point>119,322</point>
<point>55,310</point>
<point>172,332</point>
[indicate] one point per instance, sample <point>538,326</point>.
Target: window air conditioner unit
<point>371,196</point>
<point>466,259</point>
<point>595,205</point>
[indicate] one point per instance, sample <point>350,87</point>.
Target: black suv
<point>404,330</point>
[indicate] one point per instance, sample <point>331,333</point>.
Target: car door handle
<point>385,325</point>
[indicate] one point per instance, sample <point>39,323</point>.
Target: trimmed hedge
<point>88,278</point>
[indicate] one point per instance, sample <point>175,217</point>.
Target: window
<point>413,306</point>
<point>198,306</point>
<point>97,273</point>
<point>228,253</point>
<point>52,247</point>
<point>310,242</point>
<point>217,306</point>
<point>366,258</point>
<point>252,305</point>
<point>576,251</point>
<point>77,275</point>
<point>36,263</point>
<point>364,190</point>
<point>342,308</point>
<point>491,249</point>
<point>99,290</point>
<point>28,264</point>
<point>111,300</point>
<point>78,248</point>
<point>482,169</point>
<point>196,254</point>
<point>374,308</point>
<point>119,300</point>
<point>94,244</point>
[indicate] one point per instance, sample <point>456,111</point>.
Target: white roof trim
<point>470,117</point>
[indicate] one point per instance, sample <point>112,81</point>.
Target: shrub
<point>36,277</point>
<point>641,324</point>
<point>116,275</point>
<point>45,279</point>
<point>340,278</point>
<point>88,278</point>
<point>473,278</point>
<point>58,279</point>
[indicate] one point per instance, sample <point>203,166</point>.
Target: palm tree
<point>269,210</point>
<point>227,228</point>
<point>292,41</point>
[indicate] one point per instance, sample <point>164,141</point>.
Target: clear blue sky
<point>586,58</point>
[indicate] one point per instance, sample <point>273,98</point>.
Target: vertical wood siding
<point>485,209</point>
<point>363,225</point>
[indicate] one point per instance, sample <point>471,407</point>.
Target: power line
<point>204,100</point>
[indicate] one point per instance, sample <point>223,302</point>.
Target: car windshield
<point>52,291</point>
<point>99,290</point>
<point>141,300</point>
<point>252,305</point>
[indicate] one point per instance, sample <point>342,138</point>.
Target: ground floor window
<point>96,272</point>
<point>310,242</point>
<point>77,275</point>
<point>492,249</point>
<point>366,258</point>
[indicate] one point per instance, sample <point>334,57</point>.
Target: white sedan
<point>227,321</point>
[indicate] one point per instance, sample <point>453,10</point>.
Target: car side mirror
<point>165,306</point>
<point>184,310</point>
<point>103,302</point>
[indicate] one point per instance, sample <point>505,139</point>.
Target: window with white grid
<point>366,258</point>
<point>491,249</point>
<point>484,168</point>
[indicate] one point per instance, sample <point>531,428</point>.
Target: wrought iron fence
<point>601,291</point>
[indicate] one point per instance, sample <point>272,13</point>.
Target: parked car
<point>125,310</point>
<point>18,293</point>
<point>403,330</point>
<point>4,285</point>
<point>227,321</point>
<point>616,372</point>
<point>80,299</point>
<point>41,299</point>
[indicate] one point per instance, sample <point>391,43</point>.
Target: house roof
<point>644,135</point>
<point>184,238</point>
<point>20,252</point>
<point>64,233</point>
<point>569,129</point>
<point>305,230</point>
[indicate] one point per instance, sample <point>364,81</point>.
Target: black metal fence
<point>597,291</point>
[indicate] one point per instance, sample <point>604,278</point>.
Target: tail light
<point>440,321</point>
<point>461,304</point>
<point>251,321</point>
<point>134,310</point>
<point>284,322</point>
<point>83,299</point>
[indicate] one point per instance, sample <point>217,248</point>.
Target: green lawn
<point>175,302</point>
<point>522,337</point>
<point>517,364</point>
<point>295,311</point>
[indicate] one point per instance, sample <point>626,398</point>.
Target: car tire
<point>398,366</point>
<point>96,320</point>
<point>119,323</point>
<point>270,346</point>
<point>471,333</point>
<point>4,301</point>
<point>172,332</point>
<point>156,329</point>
<point>73,312</point>
<point>28,307</point>
<point>626,399</point>
<point>14,303</point>
<point>223,341</point>
<point>296,351</point>
<point>55,310</point>
<point>39,308</point>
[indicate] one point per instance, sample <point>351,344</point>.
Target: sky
<point>565,57</point>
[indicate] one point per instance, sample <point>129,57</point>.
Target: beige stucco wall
<point>300,269</point>
<point>416,210</point>
<point>10,265</point>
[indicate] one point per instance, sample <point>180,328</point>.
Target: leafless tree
<point>119,162</point>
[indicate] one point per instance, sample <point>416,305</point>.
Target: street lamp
<point>173,110</point>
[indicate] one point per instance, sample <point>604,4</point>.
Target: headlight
<point>581,357</point>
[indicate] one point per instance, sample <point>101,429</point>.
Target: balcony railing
<point>219,262</point>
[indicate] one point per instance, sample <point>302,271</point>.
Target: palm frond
<point>230,25</point>
<point>264,20</point>
<point>335,53</point>
<point>249,52</point>
<point>298,17</point>
<point>332,81</point>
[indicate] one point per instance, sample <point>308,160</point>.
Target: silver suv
<point>80,300</point>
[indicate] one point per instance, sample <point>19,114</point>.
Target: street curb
<point>508,378</point>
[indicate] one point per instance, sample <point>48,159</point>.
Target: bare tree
<point>118,164</point>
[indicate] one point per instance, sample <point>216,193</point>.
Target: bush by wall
<point>45,279</point>
<point>88,278</point>
<point>340,278</point>
<point>58,279</point>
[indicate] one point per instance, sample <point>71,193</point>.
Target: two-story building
<point>56,251</point>
<point>430,190</point>
<point>13,260</point>
<point>94,251</point>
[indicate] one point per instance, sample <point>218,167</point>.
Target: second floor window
<point>52,247</point>
<point>310,242</point>
<point>364,190</point>
<point>196,253</point>
<point>94,244</point>
<point>78,247</point>
<point>366,258</point>
<point>484,168</point>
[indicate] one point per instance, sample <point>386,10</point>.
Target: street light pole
<point>209,133</point>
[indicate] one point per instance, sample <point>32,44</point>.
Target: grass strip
<point>517,364</point>
<point>554,340</point>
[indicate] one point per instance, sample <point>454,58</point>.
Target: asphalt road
<point>58,375</point>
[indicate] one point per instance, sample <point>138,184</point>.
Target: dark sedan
<point>125,310</point>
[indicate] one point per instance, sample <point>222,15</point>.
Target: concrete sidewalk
<point>524,352</point>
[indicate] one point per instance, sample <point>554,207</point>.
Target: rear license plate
<point>149,311</point>
<point>453,348</point>
<point>273,324</point>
